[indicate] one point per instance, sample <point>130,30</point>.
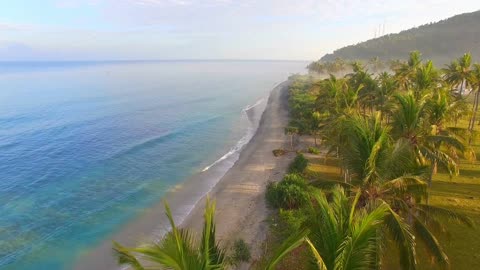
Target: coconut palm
<point>178,249</point>
<point>410,122</point>
<point>475,82</point>
<point>425,80</point>
<point>384,170</point>
<point>405,72</point>
<point>385,90</point>
<point>291,131</point>
<point>361,80</point>
<point>376,64</point>
<point>457,73</point>
<point>343,236</point>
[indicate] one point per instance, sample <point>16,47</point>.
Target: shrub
<point>240,252</point>
<point>279,152</point>
<point>313,150</point>
<point>298,165</point>
<point>295,179</point>
<point>291,220</point>
<point>290,193</point>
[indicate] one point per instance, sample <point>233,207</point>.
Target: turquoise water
<point>85,146</point>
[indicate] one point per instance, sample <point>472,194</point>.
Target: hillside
<point>440,41</point>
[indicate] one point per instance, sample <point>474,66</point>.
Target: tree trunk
<point>461,87</point>
<point>476,109</point>
<point>471,125</point>
<point>433,170</point>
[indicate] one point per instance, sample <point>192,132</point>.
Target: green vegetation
<point>398,179</point>
<point>240,252</point>
<point>313,150</point>
<point>440,41</point>
<point>290,193</point>
<point>298,165</point>
<point>388,138</point>
<point>178,249</point>
<point>345,236</point>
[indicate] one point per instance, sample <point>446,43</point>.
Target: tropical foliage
<point>391,132</point>
<point>440,41</point>
<point>342,235</point>
<point>178,249</point>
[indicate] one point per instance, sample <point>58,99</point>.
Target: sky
<point>32,30</point>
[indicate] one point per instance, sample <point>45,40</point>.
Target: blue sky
<point>203,29</point>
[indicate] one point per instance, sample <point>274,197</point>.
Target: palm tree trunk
<point>461,87</point>
<point>476,108</point>
<point>471,123</point>
<point>474,115</point>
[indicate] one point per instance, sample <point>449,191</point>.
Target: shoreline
<point>239,189</point>
<point>241,209</point>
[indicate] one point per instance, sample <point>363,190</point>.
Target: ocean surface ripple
<point>86,146</point>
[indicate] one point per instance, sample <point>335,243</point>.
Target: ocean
<point>86,146</point>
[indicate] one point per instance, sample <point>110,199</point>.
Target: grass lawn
<point>460,193</point>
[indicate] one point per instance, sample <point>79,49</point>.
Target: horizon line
<point>156,60</point>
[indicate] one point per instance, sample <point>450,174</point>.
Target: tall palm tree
<point>376,64</point>
<point>410,122</point>
<point>475,82</point>
<point>342,236</point>
<point>384,95</point>
<point>425,80</point>
<point>388,171</point>
<point>178,249</point>
<point>405,72</point>
<point>458,72</point>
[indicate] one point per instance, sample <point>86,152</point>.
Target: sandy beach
<point>241,210</point>
<point>239,195</point>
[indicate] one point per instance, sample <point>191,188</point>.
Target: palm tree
<point>425,80</point>
<point>343,236</point>
<point>177,250</point>
<point>388,171</point>
<point>458,72</point>
<point>385,91</point>
<point>291,131</point>
<point>410,122</point>
<point>406,71</point>
<point>361,80</point>
<point>376,64</point>
<point>475,82</point>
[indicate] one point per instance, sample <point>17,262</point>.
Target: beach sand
<point>241,210</point>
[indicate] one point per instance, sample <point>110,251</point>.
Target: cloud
<point>221,28</point>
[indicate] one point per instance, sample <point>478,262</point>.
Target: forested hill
<point>440,41</point>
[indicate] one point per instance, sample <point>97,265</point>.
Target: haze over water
<point>86,146</point>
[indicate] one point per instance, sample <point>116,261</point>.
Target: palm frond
<point>294,241</point>
<point>125,257</point>
<point>447,214</point>
<point>318,258</point>
<point>403,238</point>
<point>406,184</point>
<point>430,241</point>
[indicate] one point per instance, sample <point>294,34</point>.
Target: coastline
<point>241,210</point>
<point>239,194</point>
